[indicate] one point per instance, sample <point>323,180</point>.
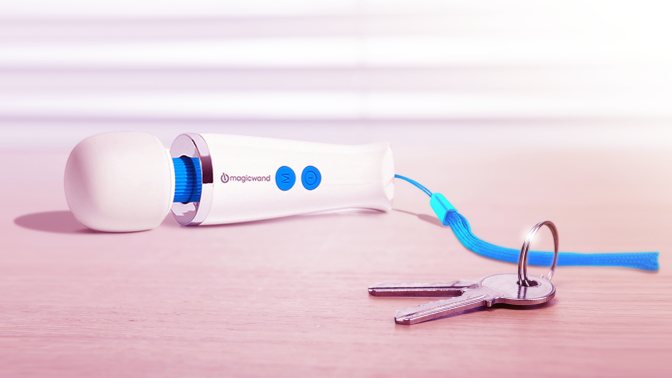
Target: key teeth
<point>373,288</point>
<point>403,321</point>
<point>401,317</point>
<point>386,285</point>
<point>409,316</point>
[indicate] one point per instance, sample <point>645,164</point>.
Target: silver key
<point>507,288</point>
<point>495,289</point>
<point>438,289</point>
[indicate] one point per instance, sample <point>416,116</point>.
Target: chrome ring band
<point>193,145</point>
<point>522,259</point>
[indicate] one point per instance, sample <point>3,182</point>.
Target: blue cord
<point>415,183</point>
<point>449,216</point>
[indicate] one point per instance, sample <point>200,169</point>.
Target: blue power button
<point>285,178</point>
<point>311,177</point>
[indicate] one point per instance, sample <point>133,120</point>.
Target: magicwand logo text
<point>226,178</point>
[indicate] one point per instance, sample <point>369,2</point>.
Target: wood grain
<point>287,297</point>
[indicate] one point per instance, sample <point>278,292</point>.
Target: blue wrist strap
<point>449,216</point>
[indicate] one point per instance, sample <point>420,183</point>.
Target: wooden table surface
<point>288,297</point>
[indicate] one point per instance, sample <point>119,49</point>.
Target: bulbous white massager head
<point>120,182</point>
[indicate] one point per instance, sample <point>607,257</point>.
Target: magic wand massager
<point>128,181</point>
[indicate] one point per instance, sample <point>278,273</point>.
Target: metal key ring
<point>522,259</point>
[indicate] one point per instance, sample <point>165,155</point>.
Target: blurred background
<point>516,110</point>
<point>586,73</point>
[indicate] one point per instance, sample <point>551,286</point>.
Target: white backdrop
<point>571,72</point>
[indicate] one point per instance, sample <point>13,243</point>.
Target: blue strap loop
<point>449,216</point>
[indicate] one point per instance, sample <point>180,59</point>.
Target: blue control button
<point>311,177</point>
<point>285,178</point>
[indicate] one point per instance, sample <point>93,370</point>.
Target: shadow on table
<point>292,218</point>
<point>64,222</point>
<point>431,219</point>
<point>60,222</point>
